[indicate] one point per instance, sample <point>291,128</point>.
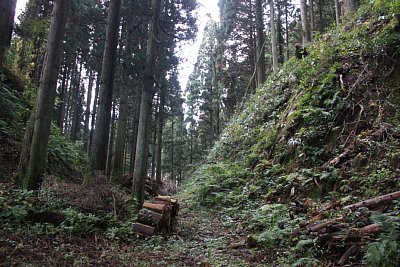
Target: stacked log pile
<point>156,217</point>
<point>339,231</point>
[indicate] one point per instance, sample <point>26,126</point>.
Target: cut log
<point>169,200</point>
<point>143,229</point>
<point>373,202</point>
<point>318,227</point>
<point>151,218</point>
<point>160,208</point>
<point>343,260</point>
<point>369,229</point>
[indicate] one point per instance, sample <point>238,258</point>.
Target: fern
<point>304,243</point>
<point>306,262</point>
<point>386,251</point>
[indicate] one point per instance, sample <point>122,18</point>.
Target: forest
<point>281,149</point>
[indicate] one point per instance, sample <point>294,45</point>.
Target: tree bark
<point>374,201</point>
<point>63,97</point>
<point>94,113</point>
<point>141,154</point>
<point>135,126</point>
<point>154,141</point>
<point>110,150</point>
<point>76,105</point>
<point>312,20</point>
<point>350,6</point>
<point>144,229</point>
<point>260,43</point>
<point>287,31</point>
<point>121,134</point>
<point>273,37</point>
<point>337,11</point>
<point>7,13</point>
<point>159,137</point>
<point>120,142</point>
<point>99,145</point>
<point>46,96</point>
<point>151,218</point>
<point>87,111</point>
<point>304,22</point>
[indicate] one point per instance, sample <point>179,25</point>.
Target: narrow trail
<point>203,238</point>
<point>200,237</point>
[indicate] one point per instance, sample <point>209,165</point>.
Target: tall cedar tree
<point>260,43</point>
<point>46,97</point>
<point>273,37</point>
<point>7,12</point>
<point>99,144</point>
<point>304,22</point>
<point>117,165</point>
<point>139,172</point>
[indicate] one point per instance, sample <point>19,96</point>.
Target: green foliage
<point>274,221</point>
<point>121,231</point>
<point>84,223</point>
<point>65,158</point>
<point>16,204</point>
<point>386,251</point>
<point>306,262</point>
<point>24,212</point>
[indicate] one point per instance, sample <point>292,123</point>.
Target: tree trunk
<point>260,43</point>
<point>337,11</point>
<point>273,37</point>
<point>110,150</point>
<point>121,134</point>
<point>63,97</point>
<point>94,113</point>
<point>304,22</point>
<point>279,33</point>
<point>7,13</point>
<point>287,32</point>
<point>99,145</point>
<point>350,6</point>
<point>67,106</point>
<point>159,137</point>
<point>154,136</point>
<point>135,121</point>
<point>87,111</point>
<point>46,97</point>
<point>76,104</point>
<point>139,172</point>
<point>120,142</point>
<point>173,149</point>
<point>311,20</point>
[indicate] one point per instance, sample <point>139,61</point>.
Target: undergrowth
<point>325,128</point>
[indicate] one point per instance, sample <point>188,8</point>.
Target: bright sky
<point>207,9</point>
<point>20,7</point>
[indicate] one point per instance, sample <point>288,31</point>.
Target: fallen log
<point>320,226</point>
<point>369,229</point>
<point>343,260</point>
<point>373,202</point>
<point>143,229</point>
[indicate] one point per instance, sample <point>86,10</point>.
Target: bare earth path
<point>200,238</point>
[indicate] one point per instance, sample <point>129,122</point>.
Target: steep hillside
<point>65,158</point>
<point>324,130</point>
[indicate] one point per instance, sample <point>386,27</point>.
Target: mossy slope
<point>325,127</point>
